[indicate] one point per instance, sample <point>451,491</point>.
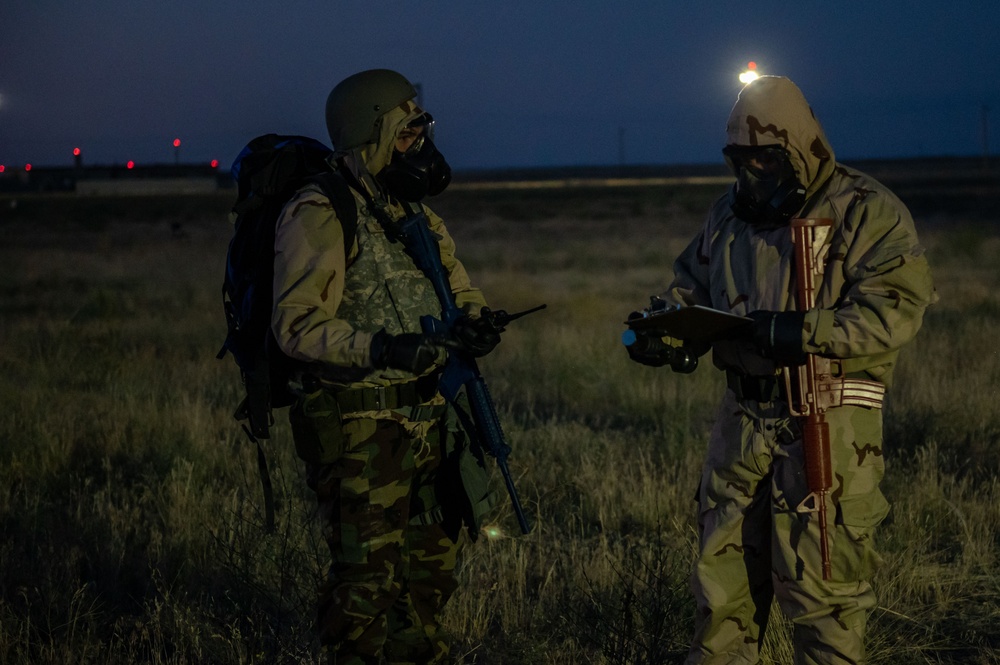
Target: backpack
<point>268,172</point>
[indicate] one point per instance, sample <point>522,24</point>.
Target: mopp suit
<point>392,469</point>
<point>755,540</point>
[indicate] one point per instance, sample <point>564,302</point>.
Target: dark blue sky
<point>513,83</point>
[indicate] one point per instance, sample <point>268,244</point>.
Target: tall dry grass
<point>131,509</point>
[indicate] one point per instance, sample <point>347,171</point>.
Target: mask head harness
<point>419,171</point>
<point>767,191</point>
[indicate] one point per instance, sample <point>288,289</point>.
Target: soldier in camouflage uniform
<point>392,469</point>
<point>756,542</point>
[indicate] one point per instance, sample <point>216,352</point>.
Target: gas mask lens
<point>423,127</point>
<point>764,162</point>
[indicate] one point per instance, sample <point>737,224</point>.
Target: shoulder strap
<point>336,189</point>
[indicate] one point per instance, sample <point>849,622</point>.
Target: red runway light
<point>130,164</point>
<point>27,167</point>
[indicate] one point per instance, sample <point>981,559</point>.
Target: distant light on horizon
<point>130,164</point>
<point>750,73</point>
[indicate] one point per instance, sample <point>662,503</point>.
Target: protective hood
<point>371,158</point>
<point>772,111</point>
<point>376,157</point>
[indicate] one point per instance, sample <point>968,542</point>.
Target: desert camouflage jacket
<point>877,281</point>
<point>328,303</point>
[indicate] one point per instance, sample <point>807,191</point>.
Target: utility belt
<point>410,396</point>
<point>850,390</point>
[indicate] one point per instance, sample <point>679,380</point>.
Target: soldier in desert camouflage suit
<point>754,544</point>
<point>391,467</point>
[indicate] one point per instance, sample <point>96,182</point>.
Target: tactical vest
<point>383,288</point>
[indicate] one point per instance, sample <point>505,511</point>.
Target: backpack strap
<point>336,188</point>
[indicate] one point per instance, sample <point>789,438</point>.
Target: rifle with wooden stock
<point>811,386</point>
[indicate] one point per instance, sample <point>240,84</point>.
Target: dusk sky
<point>510,83</point>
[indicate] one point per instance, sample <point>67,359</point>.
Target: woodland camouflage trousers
<point>393,565</point>
<point>755,545</point>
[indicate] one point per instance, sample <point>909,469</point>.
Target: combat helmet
<point>355,105</point>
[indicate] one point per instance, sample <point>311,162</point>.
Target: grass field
<point>131,508</point>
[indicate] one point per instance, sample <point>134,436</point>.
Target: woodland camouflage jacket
<point>877,281</point>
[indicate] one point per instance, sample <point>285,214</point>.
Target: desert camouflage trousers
<point>393,563</point>
<point>755,545</point>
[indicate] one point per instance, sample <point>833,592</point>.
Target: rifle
<point>461,369</point>
<point>810,386</point>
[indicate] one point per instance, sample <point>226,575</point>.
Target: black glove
<point>778,335</point>
<point>476,336</point>
<point>650,349</point>
<point>412,352</point>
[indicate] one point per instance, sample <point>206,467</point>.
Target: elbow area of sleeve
<point>817,330</point>
<point>470,301</point>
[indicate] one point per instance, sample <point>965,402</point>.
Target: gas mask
<point>766,191</point>
<point>420,171</point>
